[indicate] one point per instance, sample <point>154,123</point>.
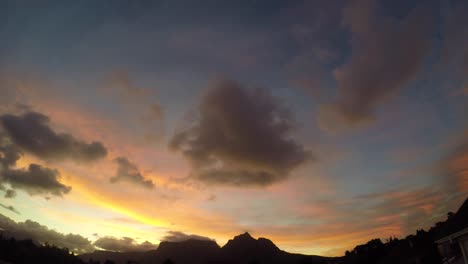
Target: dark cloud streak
<point>10,208</point>
<point>31,133</point>
<point>125,244</point>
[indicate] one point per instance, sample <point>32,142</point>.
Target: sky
<point>317,124</point>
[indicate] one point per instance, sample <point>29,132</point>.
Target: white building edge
<point>454,248</point>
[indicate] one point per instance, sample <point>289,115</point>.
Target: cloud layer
<point>31,133</point>
<point>176,236</point>
<point>241,137</point>
<point>35,179</point>
<point>127,171</point>
<point>125,244</point>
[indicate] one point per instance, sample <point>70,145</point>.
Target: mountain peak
<point>245,235</point>
<point>243,238</point>
<point>245,244</point>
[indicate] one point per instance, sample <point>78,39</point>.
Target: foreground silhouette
<point>26,251</point>
<point>244,249</point>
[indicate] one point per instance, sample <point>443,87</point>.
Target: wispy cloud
<point>386,55</point>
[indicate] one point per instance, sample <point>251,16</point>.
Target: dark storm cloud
<point>127,171</point>
<point>386,54</point>
<point>31,133</point>
<point>241,137</point>
<point>41,234</point>
<point>125,244</point>
<point>35,179</point>
<point>176,236</point>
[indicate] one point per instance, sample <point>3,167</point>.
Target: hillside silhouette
<point>244,249</point>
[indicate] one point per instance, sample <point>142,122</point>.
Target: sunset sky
<point>317,124</point>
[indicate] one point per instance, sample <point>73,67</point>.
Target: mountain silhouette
<point>189,251</point>
<point>246,244</point>
<point>242,249</point>
<point>246,249</point>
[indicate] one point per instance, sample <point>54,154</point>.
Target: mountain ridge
<point>242,248</point>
